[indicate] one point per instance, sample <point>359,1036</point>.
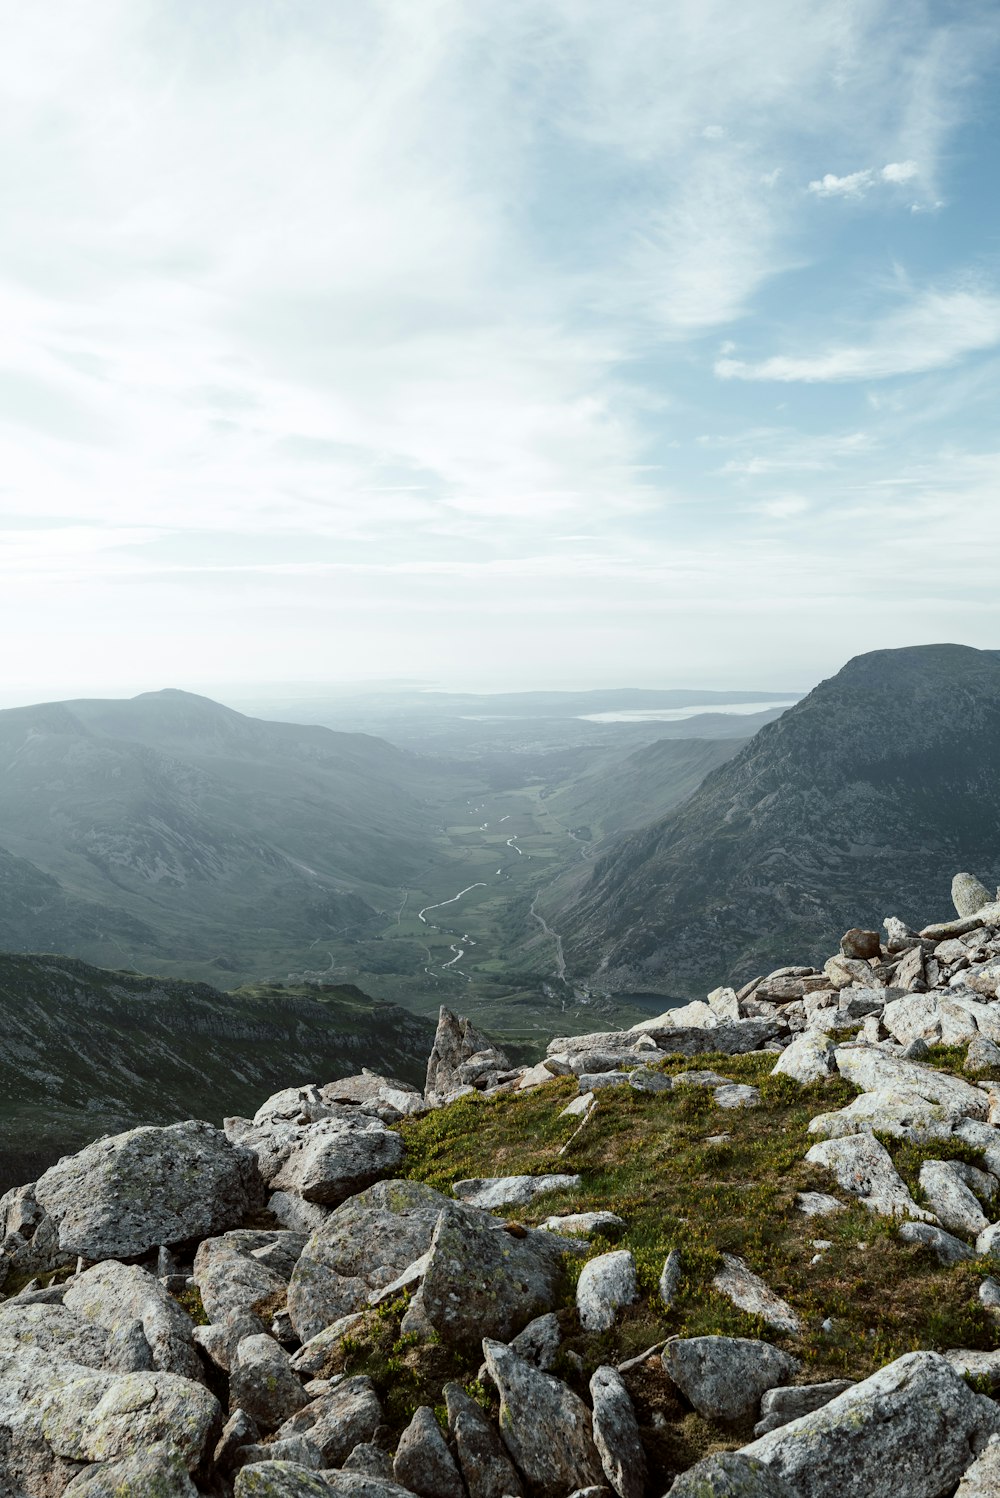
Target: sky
<point>495,343</point>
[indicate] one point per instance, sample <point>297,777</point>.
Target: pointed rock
<point>545,1426</point>
<point>616,1434</point>
<point>423,1463</point>
<point>486,1467</point>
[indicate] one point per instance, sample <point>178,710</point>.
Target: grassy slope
<point>646,1157</point>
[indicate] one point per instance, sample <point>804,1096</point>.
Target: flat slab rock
<point>729,1474</point>
<point>863,1167</point>
<point>511,1191</point>
<point>545,1427</point>
<point>738,1283</point>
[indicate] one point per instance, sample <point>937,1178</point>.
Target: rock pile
<point>293,1228</point>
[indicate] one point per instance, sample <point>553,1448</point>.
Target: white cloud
<point>854,185</point>
<point>899,171</point>
<point>934,331</point>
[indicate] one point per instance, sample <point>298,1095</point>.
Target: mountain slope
<point>87,1051</point>
<point>863,797</point>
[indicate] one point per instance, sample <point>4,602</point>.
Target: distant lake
<point>677,714</point>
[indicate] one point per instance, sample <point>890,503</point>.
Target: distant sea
<point>676,714</point>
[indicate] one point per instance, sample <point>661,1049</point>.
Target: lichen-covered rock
<point>511,1191</point>
<point>156,1471</point>
<point>263,1382</point>
<point>863,1167</point>
<point>738,1283</point>
<point>969,894</point>
<point>895,1111</point>
<point>233,1281</point>
<point>809,1058</point>
<point>479,1281</point>
<point>458,1043</point>
<point>982,1479</point>
<point>544,1425</point>
<point>913,1427</point>
<point>870,1068</point>
<point>780,1406</point>
<point>29,1239</point>
<point>950,1199</point>
<point>946,1248</point>
<point>486,1468</point>
<point>670,1277</point>
<point>605,1285</point>
<point>729,1474</point>
<point>122,1196</point>
<point>338,1420</point>
<point>337,1157</point>
<point>724,1377</point>
<point>54,1329</point>
<point>423,1464</point>
<point>112,1295</point>
<point>616,1433</point>
<point>279,1480</point>
<point>585,1224</point>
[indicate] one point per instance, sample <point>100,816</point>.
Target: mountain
<point>862,798</point>
<point>87,1051</point>
<point>168,827</point>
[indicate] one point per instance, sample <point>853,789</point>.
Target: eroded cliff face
<point>852,803</point>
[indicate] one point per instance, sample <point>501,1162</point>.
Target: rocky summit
<point>748,1247</point>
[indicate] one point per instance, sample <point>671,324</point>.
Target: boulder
<point>913,1427</point>
<point>841,972</point>
<point>585,1224</point>
<point>263,1383</point>
<point>479,1281</point>
<point>292,1449</point>
<point>605,1285</point>
<point>738,1283</point>
<point>863,1167</point>
<point>729,1474</point>
<point>545,1426</point>
<point>29,1239</point>
<point>736,1095</point>
<point>983,1055</point>
<point>809,1058</point>
<point>54,1329</point>
<point>386,1097</point>
<point>219,1340</point>
<point>945,1248</point>
<point>818,1203</point>
<point>231,1280</point>
<point>871,1068</point>
<point>616,1434</point>
<point>157,1471</point>
<point>279,1480</point>
<point>486,1467</point>
<point>511,1191</point>
<point>888,1110</point>
<point>982,1479</point>
<point>724,1377</point>
<point>312,1357</point>
<point>337,1157</point>
<point>123,1196</point>
<point>112,1295</point>
<point>239,1431</point>
<point>859,943</point>
<point>780,1406</point>
<point>646,1079</point>
<point>423,1464</point>
<point>456,1042</point>
<point>969,894</point>
<point>950,1199</point>
<point>670,1277</point>
<point>370,1458</point>
<point>335,1422</point>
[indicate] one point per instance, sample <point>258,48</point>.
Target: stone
<point>988,1242</point>
<point>313,1356</point>
<point>456,1042</point>
<point>337,1421</point>
<point>351,1484</point>
<point>896,1111</point>
<point>123,1196</point>
<point>871,1068</point>
<point>944,1246</point>
<point>157,1471</point>
<point>371,1458</point>
<point>729,1474</point>
<point>231,1281</point>
<point>280,1480</point>
<point>545,1427</point>
<point>975,1363</point>
<point>292,1212</point>
<point>362,1246</point>
<point>219,1340</point>
<point>989,1294</point>
<point>645,1079</point>
<point>738,1283</point>
<point>780,1406</point>
<point>809,1058</point>
<point>29,1239</point>
<point>386,1097</point>
<point>585,1224</point>
<point>736,1095</point>
<point>863,1167</point>
<point>910,974</point>
<point>982,1055</point>
<point>982,1479</point>
<point>239,1430</point>
<point>724,1377</point>
<point>54,1329</point>
<point>591,1082</point>
<point>423,1463</point>
<point>969,894</point>
<point>616,1433</point>
<point>111,1295</point>
<point>337,1158</point>
<point>950,1199</point>
<point>486,1467</point>
<point>898,934</point>
<point>913,1427</point>
<point>511,1191</point>
<point>670,1277</point>
<point>859,943</point>
<point>263,1382</point>
<point>292,1449</point>
<point>843,971</point>
<point>943,930</point>
<point>483,1282</point>
<point>605,1285</point>
<point>729,1037</point>
<point>818,1203</point>
<point>724,1003</point>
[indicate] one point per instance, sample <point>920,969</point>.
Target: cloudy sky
<point>495,342</point>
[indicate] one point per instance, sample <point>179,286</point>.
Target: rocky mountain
<point>854,801</point>
<point>88,1051</point>
<point>168,826</point>
<point>742,1250</point>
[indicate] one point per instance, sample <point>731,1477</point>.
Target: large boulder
<point>605,1285</point>
<point>873,1069</point>
<point>423,1464</point>
<point>122,1196</point>
<point>545,1426</point>
<point>54,1329</point>
<point>862,1166</point>
<point>913,1427</point>
<point>969,894</point>
<point>263,1383</point>
<point>232,1277</point>
<point>338,1420</point>
<point>156,1471</point>
<point>337,1157</point>
<point>724,1377</point>
<point>113,1295</point>
<point>809,1058</point>
<point>746,1290</point>
<point>729,1474</point>
<point>486,1468</point>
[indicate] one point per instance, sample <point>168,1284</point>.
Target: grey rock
<point>239,1430</point>
<point>263,1382</point>
<point>29,1239</point>
<point>423,1463</point>
<point>544,1425</point>
<point>127,1350</point>
<point>386,1097</point>
<point>486,1467</point>
<point>455,1044</point>
<point>292,1212</point>
<point>724,1377</point>
<point>843,971</point>
<point>910,974</point>
<point>231,1281</point>
<point>585,1224</point>
<point>123,1196</point>
<point>511,1191</point>
<point>871,1068</point>
<point>913,1427</point>
<point>988,1242</point>
<point>858,943</point>
<point>946,1248</point>
<point>818,1203</point>
<point>950,1199</point>
<point>729,1474</point>
<point>736,1095</point>
<point>898,934</point>
<point>975,1363</point>
<point>983,1054</point>
<point>644,1079</point>
<point>738,1283</point>
<point>969,894</point>
<point>982,1479</point>
<point>780,1406</point>
<point>362,1246</point>
<point>112,1295</point>
<point>896,1111</point>
<point>336,1422</point>
<point>280,1480</point>
<point>337,1157</point>
<point>291,1449</point>
<point>219,1340</point>
<point>363,1485</point>
<point>156,1471</point>
<point>606,1283</point>
<point>616,1434</point>
<point>591,1082</point>
<point>314,1355</point>
<point>370,1458</point>
<point>54,1329</point>
<point>863,1167</point>
<point>670,1277</point>
<point>809,1058</point>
